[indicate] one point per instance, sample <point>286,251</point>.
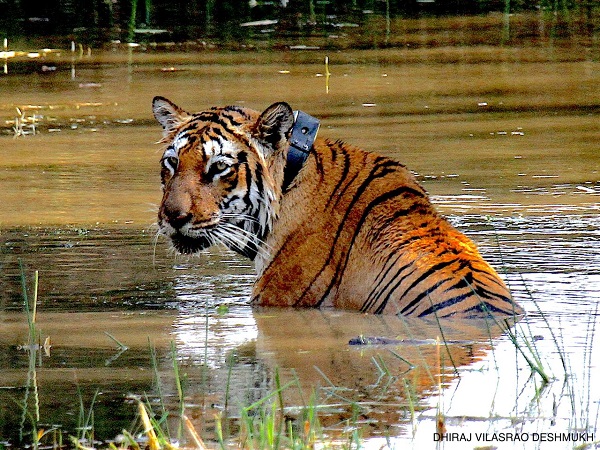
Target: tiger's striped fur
<point>354,230</point>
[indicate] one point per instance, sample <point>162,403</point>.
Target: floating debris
<point>374,340</point>
<point>259,23</point>
<point>369,105</point>
<point>149,31</point>
<point>587,190</point>
<point>283,71</point>
<point>24,125</point>
<point>304,47</point>
<point>89,85</point>
<point>482,104</point>
<point>78,105</point>
<point>344,25</point>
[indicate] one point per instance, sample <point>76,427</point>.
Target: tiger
<point>349,229</point>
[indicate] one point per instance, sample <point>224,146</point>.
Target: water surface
<point>505,141</point>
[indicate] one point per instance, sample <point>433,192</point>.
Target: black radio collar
<point>304,133</point>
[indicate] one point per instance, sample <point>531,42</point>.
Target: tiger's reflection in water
<point>237,354</point>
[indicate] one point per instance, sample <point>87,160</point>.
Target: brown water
<point>505,140</point>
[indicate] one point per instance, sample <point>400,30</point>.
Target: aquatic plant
<point>24,125</point>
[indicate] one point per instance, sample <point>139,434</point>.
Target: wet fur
<point>354,230</point>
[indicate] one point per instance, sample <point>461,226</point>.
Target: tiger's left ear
<point>274,126</point>
<point>168,114</point>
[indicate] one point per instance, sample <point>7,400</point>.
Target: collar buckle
<point>304,133</point>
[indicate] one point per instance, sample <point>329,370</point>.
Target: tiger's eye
<point>221,166</point>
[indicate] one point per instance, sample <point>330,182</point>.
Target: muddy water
<point>505,141</point>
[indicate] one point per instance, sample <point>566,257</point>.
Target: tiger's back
<point>369,239</point>
<point>352,229</point>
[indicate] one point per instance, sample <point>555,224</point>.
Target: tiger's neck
<point>297,202</point>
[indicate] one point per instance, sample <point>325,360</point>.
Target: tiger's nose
<point>178,219</point>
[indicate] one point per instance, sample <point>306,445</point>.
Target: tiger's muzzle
<point>186,234</point>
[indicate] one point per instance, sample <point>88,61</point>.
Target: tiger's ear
<point>274,126</point>
<point>168,114</point>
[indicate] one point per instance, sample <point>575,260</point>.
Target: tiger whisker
<point>246,217</point>
<point>242,238</point>
<point>247,234</point>
<point>155,244</point>
<point>152,207</point>
<point>230,240</point>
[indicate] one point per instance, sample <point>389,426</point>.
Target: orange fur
<point>354,230</point>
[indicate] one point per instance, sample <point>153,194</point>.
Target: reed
<point>32,348</point>
<point>85,423</point>
<point>180,384</point>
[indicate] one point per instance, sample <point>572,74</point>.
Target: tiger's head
<point>222,171</point>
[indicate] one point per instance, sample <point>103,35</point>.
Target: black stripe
<point>489,276</point>
<point>332,283</point>
<point>343,190</point>
<point>486,293</point>
<point>446,303</point>
<point>429,272</point>
<point>418,298</point>
<point>397,255</point>
<point>238,109</point>
<point>191,126</point>
<point>231,119</point>
<point>248,181</point>
<point>206,116</point>
<point>218,132</point>
<point>259,177</point>
<point>415,208</point>
<point>488,307</point>
<point>319,164</point>
<point>393,279</point>
<point>345,170</point>
<point>227,202</point>
<point>374,297</point>
<point>219,121</point>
